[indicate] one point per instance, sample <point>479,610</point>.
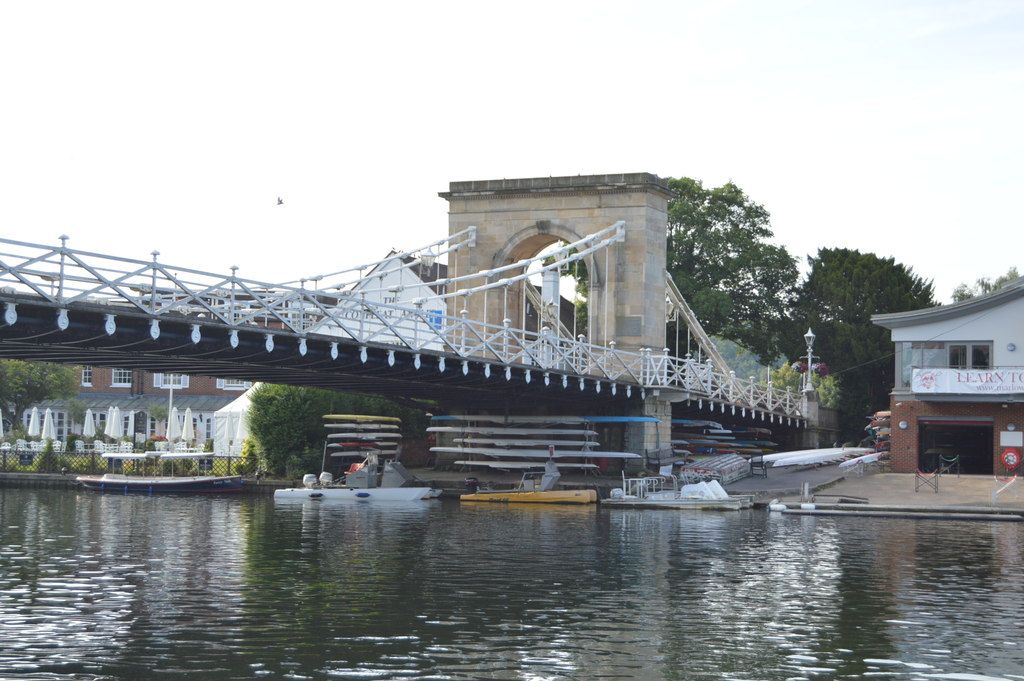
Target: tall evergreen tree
<point>843,289</point>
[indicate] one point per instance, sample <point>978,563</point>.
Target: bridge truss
<point>70,305</point>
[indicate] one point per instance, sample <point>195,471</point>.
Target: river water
<point>112,587</point>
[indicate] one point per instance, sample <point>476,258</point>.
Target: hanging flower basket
<point>820,368</point>
<point>800,367</point>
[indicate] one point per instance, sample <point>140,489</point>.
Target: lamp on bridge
<point>809,339</point>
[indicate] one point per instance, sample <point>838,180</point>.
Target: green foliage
<point>249,461</point>
<point>76,410</point>
<point>828,387</point>
<point>22,384</point>
<point>208,446</point>
<point>843,289</point>
<point>149,446</point>
<point>287,422</point>
<point>739,359</point>
<point>984,286</point>
<point>47,460</point>
<point>158,412</point>
<point>737,283</point>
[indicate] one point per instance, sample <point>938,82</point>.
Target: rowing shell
<point>496,430</point>
<point>522,465</point>
<point>361,418</point>
<point>525,443</point>
<point>534,453</point>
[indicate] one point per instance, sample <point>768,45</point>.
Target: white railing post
<point>464,316</point>
<point>232,310</point>
<point>63,251</point>
<point>152,290</point>
<point>506,323</point>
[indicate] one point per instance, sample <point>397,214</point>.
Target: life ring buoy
<point>1011,459</point>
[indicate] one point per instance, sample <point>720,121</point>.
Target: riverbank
<point>58,481</point>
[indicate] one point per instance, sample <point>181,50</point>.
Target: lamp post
<point>809,339</point>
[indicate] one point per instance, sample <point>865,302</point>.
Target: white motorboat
<point>370,483</point>
<point>665,492</point>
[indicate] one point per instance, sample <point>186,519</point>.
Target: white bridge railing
<point>65,279</point>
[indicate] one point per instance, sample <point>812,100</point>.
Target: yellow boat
<point>361,418</point>
<point>552,496</point>
<point>536,487</point>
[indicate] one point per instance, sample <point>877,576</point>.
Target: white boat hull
<point>355,494</point>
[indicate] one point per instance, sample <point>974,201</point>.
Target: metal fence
<point>91,463</point>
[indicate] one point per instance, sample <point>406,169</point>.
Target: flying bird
<point>280,201</point>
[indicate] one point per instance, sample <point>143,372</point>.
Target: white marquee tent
<point>227,435</point>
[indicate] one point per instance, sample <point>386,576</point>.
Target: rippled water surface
<point>105,587</point>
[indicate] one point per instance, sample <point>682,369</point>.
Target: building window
<point>175,381</point>
<point>86,377</point>
<point>936,355</point>
<point>233,384</point>
<point>121,378</point>
<point>980,356</point>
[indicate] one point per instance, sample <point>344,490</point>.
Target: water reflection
<point>129,587</point>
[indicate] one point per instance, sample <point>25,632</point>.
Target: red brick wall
<point>143,385</point>
<point>905,442</point>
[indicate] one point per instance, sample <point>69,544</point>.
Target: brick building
<point>959,382</point>
<point>136,393</point>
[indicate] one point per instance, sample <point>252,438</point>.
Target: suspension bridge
<point>456,320</point>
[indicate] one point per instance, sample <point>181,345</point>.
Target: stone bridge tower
<point>516,219</point>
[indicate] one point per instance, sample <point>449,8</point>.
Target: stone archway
<point>527,243</point>
<point>517,218</point>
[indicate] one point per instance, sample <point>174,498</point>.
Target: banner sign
<point>968,381</point>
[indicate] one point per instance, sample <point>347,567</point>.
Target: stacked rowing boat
<point>709,449</point>
<point>520,442</point>
<point>356,435</point>
<point>879,431</point>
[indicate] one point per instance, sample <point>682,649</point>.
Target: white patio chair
<point>125,448</point>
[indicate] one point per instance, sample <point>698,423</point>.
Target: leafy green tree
<point>739,359</point>
<point>984,285</point>
<point>719,254</point>
<point>843,289</point>
<point>22,384</point>
<point>827,386</point>
<point>287,422</point>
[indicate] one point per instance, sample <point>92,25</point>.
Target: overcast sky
<point>892,127</point>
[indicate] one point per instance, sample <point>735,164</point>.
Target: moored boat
<point>536,487</point>
<point>651,492</point>
<point>133,484</point>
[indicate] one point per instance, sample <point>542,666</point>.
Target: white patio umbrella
<point>130,430</point>
<point>108,429</point>
<point>1,423</point>
<point>33,423</point>
<point>173,425</point>
<point>49,431</point>
<point>188,433</point>
<point>115,426</point>
<point>89,427</point>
